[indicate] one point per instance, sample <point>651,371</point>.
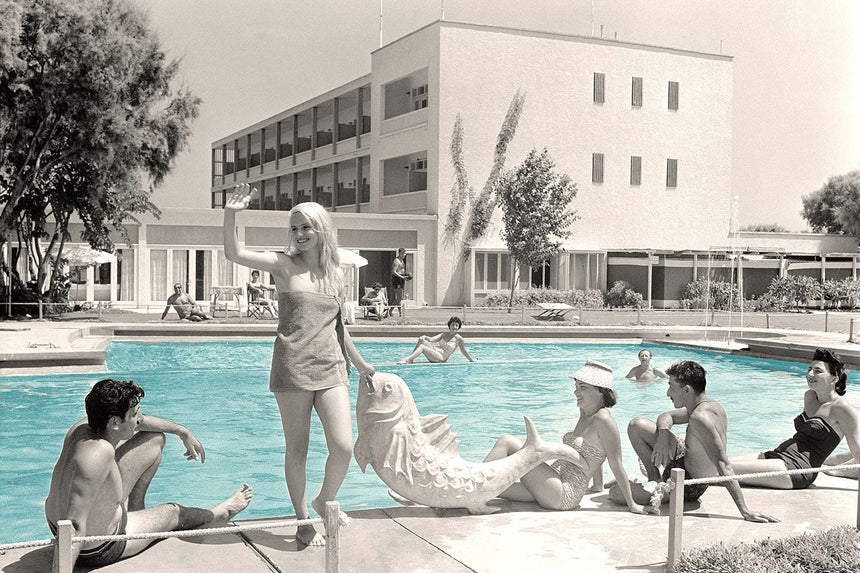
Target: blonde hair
<point>329,261</point>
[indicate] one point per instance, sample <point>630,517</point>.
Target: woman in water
<point>826,417</point>
<point>313,350</point>
<point>562,484</point>
<point>439,348</point>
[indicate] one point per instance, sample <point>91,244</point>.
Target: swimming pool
<point>219,390</point>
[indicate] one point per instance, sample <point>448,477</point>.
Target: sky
<point>796,118</point>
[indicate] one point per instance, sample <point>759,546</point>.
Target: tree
<point>536,211</point>
<point>89,122</point>
<point>835,208</point>
<point>765,228</point>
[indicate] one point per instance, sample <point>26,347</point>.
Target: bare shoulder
<point>92,455</point>
<point>604,420</point>
<point>844,410</point>
<point>708,413</point>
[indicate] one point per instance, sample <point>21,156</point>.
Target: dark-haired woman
<point>825,419</point>
<point>595,438</point>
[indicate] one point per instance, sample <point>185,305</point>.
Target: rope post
<point>40,309</point>
<point>332,543</point>
<point>676,514</point>
<point>402,313</point>
<point>464,313</point>
<point>638,316</point>
<point>100,311</point>
<point>767,319</point>
<point>826,319</point>
<point>851,332</point>
<point>581,314</point>
<point>64,545</point>
<point>523,313</point>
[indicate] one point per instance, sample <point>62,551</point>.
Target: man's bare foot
<point>309,536</point>
<point>228,508</point>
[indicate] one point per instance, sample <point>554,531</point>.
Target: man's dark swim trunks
<point>107,553</point>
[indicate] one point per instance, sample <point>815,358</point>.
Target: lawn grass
<point>835,550</point>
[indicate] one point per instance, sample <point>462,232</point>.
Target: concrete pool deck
<point>521,537</point>
<point>598,537</point>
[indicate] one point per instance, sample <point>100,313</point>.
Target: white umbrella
<point>83,256</point>
<point>351,258</point>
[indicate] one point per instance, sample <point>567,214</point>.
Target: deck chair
<point>370,311</point>
<point>257,305</point>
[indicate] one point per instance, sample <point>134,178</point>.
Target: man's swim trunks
<point>105,554</point>
<point>691,492</point>
<point>808,448</point>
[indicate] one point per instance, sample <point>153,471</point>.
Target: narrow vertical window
<point>597,168</point>
<point>673,95</point>
<point>599,87</point>
<point>671,173</point>
<point>635,170</point>
<point>637,92</point>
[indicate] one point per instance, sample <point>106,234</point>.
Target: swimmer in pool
<point>439,348</point>
<point>105,467</point>
<point>644,372</point>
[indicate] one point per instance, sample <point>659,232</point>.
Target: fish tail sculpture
<point>418,456</point>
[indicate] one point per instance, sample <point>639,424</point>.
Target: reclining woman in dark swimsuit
<point>825,419</point>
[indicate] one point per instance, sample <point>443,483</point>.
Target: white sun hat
<point>595,373</point>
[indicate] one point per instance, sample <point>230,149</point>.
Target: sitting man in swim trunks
<point>186,307</point>
<point>644,372</point>
<point>702,453</point>
<point>375,299</point>
<point>105,467</point>
<point>439,348</point>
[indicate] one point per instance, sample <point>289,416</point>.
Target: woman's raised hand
<point>240,198</point>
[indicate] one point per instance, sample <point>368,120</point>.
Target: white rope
<point>26,544</point>
<point>667,486</point>
<point>744,477</point>
<point>342,518</point>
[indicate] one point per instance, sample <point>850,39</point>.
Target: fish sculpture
<point>418,456</point>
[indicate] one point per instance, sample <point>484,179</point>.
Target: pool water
<point>219,390</point>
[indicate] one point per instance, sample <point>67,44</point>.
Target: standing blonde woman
<point>312,351</point>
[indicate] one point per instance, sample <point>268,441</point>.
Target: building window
<point>597,168</point>
<point>492,271</point>
<point>419,97</point>
<point>635,170</point>
<point>540,275</point>
<point>671,173</point>
<point>637,92</point>
<point>673,95</point>
<point>599,87</point>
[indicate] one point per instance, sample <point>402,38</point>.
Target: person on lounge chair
<point>259,293</point>
<point>375,298</point>
<point>186,307</point>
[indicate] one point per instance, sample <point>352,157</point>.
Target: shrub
<point>717,295</point>
<point>832,550</point>
<point>793,291</point>
<point>843,293</point>
<point>590,298</point>
<point>622,294</point>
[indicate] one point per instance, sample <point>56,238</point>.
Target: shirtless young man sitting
<point>186,307</point>
<point>105,467</point>
<point>703,451</point>
<point>439,348</point>
<point>644,372</point>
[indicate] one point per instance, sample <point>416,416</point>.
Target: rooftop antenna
<point>721,46</point>
<point>442,15</point>
<point>380,23</point>
<point>601,30</point>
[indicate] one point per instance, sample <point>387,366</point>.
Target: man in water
<point>105,467</point>
<point>439,348</point>
<point>702,453</point>
<point>644,372</point>
<point>185,306</point>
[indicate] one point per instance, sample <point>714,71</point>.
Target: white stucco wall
<point>481,68</point>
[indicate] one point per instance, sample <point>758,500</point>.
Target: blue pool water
<point>219,390</point>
